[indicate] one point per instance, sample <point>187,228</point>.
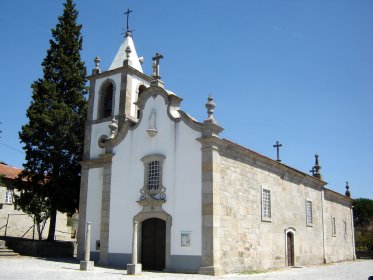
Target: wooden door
<point>290,249</point>
<point>153,244</point>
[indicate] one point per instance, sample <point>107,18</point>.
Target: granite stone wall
<point>248,242</point>
<point>340,244</point>
<point>17,223</point>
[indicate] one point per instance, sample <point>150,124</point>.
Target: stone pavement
<point>22,268</point>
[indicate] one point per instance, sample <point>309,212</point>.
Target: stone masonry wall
<point>247,242</point>
<point>16,223</point>
<point>339,246</point>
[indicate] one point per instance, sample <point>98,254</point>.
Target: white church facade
<point>158,183</point>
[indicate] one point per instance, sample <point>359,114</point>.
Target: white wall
<point>181,178</point>
<point>135,83</point>
<point>94,204</point>
<point>98,130</point>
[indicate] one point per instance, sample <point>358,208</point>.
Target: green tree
<point>363,221</point>
<point>363,212</point>
<point>53,137</point>
<point>36,206</point>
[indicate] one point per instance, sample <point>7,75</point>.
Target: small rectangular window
<point>345,229</point>
<point>266,205</point>
<point>185,239</point>
<point>309,217</point>
<point>9,197</point>
<point>334,229</point>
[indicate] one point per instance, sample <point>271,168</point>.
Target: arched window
<point>141,89</point>
<point>106,100</point>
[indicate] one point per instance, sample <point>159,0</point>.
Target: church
<point>165,192</point>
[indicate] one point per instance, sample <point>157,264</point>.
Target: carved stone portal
<point>152,208</point>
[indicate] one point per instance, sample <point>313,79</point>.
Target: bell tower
<point>112,100</point>
<point>114,92</point>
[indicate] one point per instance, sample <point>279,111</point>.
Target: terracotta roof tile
<point>8,171</point>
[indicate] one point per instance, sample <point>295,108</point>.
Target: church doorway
<point>290,248</point>
<point>153,244</point>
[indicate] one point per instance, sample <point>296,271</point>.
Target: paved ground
<point>19,268</point>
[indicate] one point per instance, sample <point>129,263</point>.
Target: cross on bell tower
<point>128,31</point>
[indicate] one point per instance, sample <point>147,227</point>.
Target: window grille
<point>153,175</point>
<point>266,204</point>
<point>9,197</point>
<point>334,229</point>
<point>309,212</point>
<point>345,229</point>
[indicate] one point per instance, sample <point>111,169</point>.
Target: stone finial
<point>210,106</point>
<point>97,61</point>
<point>316,168</point>
<point>347,193</point>
<point>113,128</point>
<point>128,52</point>
<point>211,126</point>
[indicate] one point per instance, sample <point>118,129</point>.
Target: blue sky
<point>300,72</point>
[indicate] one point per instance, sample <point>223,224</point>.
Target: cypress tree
<point>53,137</point>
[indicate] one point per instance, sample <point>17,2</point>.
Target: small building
<point>190,200</point>
<point>16,223</point>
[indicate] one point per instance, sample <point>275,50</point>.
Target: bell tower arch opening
<point>139,92</point>
<point>106,100</point>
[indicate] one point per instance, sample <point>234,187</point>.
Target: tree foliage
<point>363,221</point>
<point>363,212</point>
<point>53,137</point>
<point>36,206</point>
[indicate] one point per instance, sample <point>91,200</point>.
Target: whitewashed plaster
<point>135,83</point>
<point>98,130</point>
<point>94,204</point>
<point>181,178</point>
<point>121,55</point>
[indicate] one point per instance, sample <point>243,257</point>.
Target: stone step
<point>8,254</point>
<point>5,250</point>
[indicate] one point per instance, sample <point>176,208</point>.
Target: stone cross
<point>156,59</point>
<point>277,146</point>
